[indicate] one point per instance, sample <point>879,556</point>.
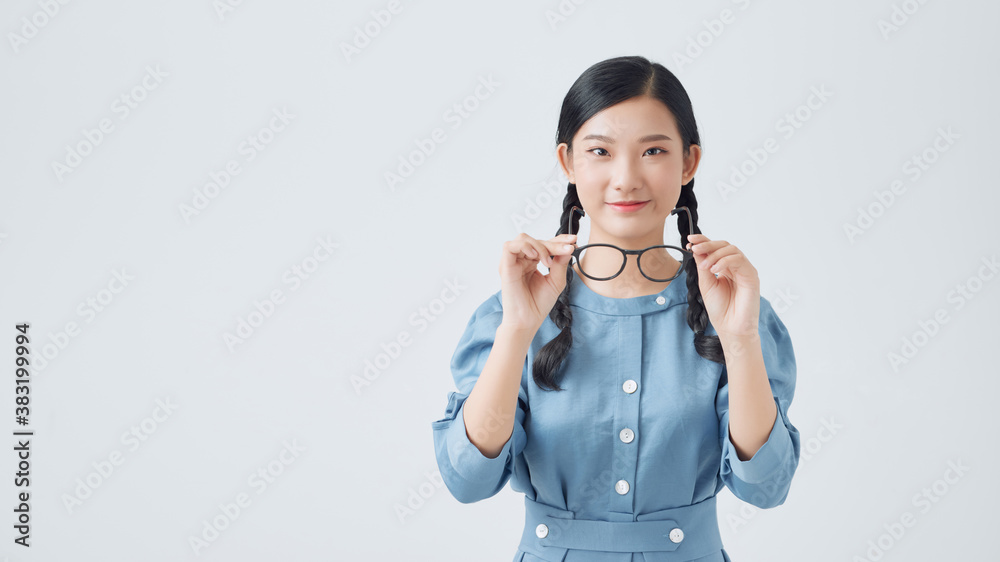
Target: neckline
<point>584,297</point>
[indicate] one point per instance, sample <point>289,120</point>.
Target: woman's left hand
<point>732,299</point>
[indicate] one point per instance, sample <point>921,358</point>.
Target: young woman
<point>622,390</point>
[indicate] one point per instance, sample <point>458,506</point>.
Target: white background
<point>364,457</point>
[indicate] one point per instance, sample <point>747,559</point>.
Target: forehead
<point>628,120</point>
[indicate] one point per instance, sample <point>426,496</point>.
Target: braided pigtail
<point>708,347</point>
<point>551,355</point>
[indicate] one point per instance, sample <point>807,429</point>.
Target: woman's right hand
<point>528,295</point>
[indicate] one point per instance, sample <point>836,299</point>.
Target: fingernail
<point>568,248</point>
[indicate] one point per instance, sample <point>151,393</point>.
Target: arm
<point>760,446</point>
<point>492,404</point>
<point>482,431</point>
<point>752,411</point>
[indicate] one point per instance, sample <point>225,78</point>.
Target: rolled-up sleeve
<point>764,479</point>
<point>469,475</point>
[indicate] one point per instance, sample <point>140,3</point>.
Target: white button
<point>542,531</point>
<point>660,300</point>
<point>629,386</point>
<point>676,535</point>
<point>621,487</point>
<point>626,435</point>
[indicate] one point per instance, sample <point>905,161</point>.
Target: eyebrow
<point>609,140</point>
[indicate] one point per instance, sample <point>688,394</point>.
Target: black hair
<point>602,85</point>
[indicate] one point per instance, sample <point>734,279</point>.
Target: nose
<point>626,175</point>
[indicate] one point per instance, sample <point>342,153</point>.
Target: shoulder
<point>770,321</point>
<point>776,343</point>
<point>488,311</point>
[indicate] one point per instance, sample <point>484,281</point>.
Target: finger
<point>703,283</point>
<point>560,247</point>
<point>541,250</point>
<point>706,246</point>
<point>524,249</point>
<point>561,255</point>
<point>560,263</point>
<point>706,281</point>
<point>700,251</point>
<point>697,238</point>
<point>711,259</point>
<point>517,253</point>
<point>728,266</point>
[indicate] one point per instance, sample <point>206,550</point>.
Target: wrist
<point>735,343</point>
<point>516,332</point>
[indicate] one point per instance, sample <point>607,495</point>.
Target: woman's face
<point>631,151</point>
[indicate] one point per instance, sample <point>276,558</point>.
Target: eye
<point>660,149</point>
<point>598,148</point>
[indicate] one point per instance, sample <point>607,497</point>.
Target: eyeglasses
<point>607,254</point>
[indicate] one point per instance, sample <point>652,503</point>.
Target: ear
<point>565,161</point>
<point>691,163</point>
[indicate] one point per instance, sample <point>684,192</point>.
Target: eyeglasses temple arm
<point>569,218</point>
<point>690,220</point>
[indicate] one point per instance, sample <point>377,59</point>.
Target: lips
<point>628,206</point>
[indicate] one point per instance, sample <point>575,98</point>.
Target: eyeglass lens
<point>606,262</point>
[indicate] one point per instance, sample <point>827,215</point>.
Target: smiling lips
<point>628,207</point>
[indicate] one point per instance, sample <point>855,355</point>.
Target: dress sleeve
<point>467,473</point>
<point>764,479</point>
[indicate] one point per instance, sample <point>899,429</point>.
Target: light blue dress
<point>625,463</point>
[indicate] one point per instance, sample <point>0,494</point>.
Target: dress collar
<point>584,297</point>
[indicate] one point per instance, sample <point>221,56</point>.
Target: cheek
<point>590,172</point>
<point>670,174</point>
<point>667,172</point>
<point>583,175</point>
<point>584,166</point>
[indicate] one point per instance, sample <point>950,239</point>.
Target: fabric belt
<point>670,535</point>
